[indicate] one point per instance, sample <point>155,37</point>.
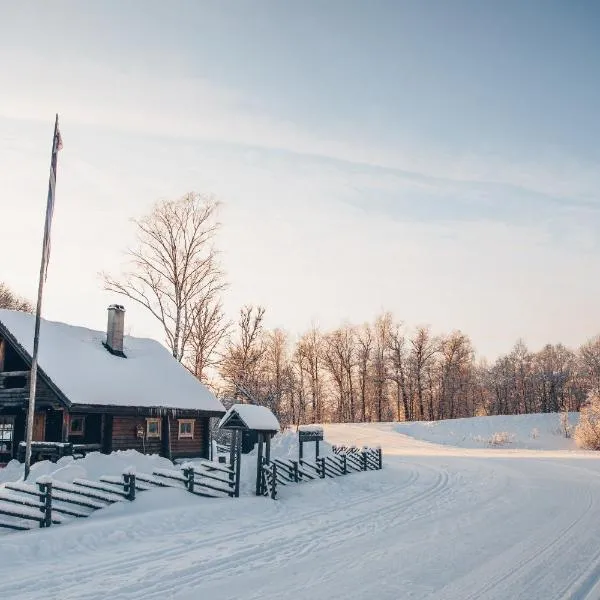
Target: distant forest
<point>378,371</point>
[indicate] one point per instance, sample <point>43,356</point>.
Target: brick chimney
<point>115,329</point>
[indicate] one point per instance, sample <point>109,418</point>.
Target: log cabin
<point>101,390</point>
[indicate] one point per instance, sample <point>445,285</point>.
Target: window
<point>186,429</point>
<point>77,426</point>
<point>153,428</point>
<point>7,426</point>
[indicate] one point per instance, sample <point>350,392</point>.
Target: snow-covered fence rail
<point>283,472</point>
<point>52,500</point>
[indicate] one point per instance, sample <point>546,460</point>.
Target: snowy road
<point>437,522</point>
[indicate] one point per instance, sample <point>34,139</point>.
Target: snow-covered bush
<point>587,433</point>
<point>500,438</point>
<point>535,433</point>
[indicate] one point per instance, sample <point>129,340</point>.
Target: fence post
<point>46,497</point>
<point>238,464</point>
<point>380,458</point>
<point>322,463</point>
<point>129,485</point>
<point>188,473</point>
<point>296,473</point>
<point>364,460</point>
<point>264,483</point>
<point>345,464</point>
<point>274,482</point>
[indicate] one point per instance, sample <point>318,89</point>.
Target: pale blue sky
<point>438,159</point>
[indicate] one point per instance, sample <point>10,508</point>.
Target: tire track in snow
<point>114,568</point>
<point>518,562</point>
<point>258,555</point>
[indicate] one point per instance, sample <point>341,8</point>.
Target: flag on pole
<point>56,146</point>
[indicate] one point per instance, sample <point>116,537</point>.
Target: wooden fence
<point>52,502</point>
<point>284,472</point>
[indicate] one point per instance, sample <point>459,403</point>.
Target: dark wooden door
<point>39,427</point>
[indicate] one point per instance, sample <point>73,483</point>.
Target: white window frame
<point>156,436</point>
<point>186,436</point>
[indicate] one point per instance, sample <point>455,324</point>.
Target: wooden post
<point>301,451</point>
<point>168,438</point>
<point>259,465</point>
<point>316,449</point>
<point>380,458</point>
<point>129,485</point>
<point>321,461</point>
<point>268,448</point>
<point>66,423</point>
<point>2,354</point>
<point>364,460</point>
<point>238,463</point>
<point>102,428</point>
<point>345,464</point>
<point>233,440</point>
<point>274,481</point>
<point>189,479</point>
<point>296,473</point>
<point>232,459</point>
<point>46,498</point>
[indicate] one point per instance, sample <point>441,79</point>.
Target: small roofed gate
<point>250,419</point>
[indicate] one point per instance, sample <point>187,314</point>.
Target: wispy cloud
<point>165,105</point>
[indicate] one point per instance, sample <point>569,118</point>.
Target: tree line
<point>378,371</point>
<point>384,371</point>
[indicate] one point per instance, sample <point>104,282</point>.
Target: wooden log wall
<point>197,446</point>
<point>124,436</point>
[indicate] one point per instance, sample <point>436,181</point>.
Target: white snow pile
<point>530,432</point>
<point>93,466</point>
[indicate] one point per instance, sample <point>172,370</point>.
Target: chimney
<point>114,329</point>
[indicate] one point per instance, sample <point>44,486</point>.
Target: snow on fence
<point>345,461</point>
<point>52,502</point>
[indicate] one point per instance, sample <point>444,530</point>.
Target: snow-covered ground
<point>438,522</point>
<point>534,432</point>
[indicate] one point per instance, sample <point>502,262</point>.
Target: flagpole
<point>38,310</point>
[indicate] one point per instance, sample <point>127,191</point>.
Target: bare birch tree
<point>243,363</point>
<point>173,271</point>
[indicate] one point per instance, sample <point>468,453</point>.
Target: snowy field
<point>533,432</point>
<point>439,522</point>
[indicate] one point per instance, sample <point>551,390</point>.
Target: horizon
<point>394,157</point>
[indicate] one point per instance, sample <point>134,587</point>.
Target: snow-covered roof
<point>75,360</point>
<point>252,416</point>
<point>312,428</point>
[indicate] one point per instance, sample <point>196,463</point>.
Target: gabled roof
<point>250,416</point>
<point>76,362</point>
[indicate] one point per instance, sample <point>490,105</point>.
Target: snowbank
<point>93,466</point>
<point>531,432</point>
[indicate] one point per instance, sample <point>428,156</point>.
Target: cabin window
<point>77,426</point>
<point>7,430</point>
<point>186,429</point>
<point>153,428</point>
<point>7,427</point>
